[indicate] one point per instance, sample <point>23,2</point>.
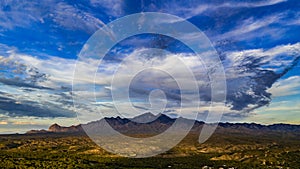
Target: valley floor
<point>229,150</point>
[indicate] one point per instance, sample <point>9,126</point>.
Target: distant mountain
<point>161,123</point>
<point>144,118</point>
<point>37,131</point>
<point>131,126</point>
<point>57,128</point>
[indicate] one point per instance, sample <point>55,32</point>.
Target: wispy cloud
<point>72,18</point>
<point>286,111</point>
<point>25,14</point>
<point>189,9</point>
<point>286,87</point>
<point>275,59</point>
<point>252,27</point>
<point>3,122</point>
<point>112,7</point>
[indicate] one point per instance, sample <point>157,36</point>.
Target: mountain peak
<point>54,127</point>
<point>55,124</point>
<point>162,118</point>
<point>145,118</point>
<point>57,128</point>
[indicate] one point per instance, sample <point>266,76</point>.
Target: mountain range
<point>161,122</point>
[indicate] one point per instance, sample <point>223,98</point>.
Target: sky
<point>258,43</point>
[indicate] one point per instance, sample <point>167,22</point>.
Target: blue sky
<point>258,42</point>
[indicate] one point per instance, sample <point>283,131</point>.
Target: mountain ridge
<point>161,123</point>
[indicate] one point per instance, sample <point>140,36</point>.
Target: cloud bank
<point>42,87</point>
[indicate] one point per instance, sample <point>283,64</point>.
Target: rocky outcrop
<point>57,128</point>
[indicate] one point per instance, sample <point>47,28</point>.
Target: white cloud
<point>20,14</point>
<point>276,59</point>
<point>61,74</point>
<point>112,7</point>
<point>251,27</point>
<point>60,70</point>
<point>3,122</point>
<point>286,87</point>
<point>286,111</point>
<point>25,13</point>
<point>188,10</point>
<point>75,19</point>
